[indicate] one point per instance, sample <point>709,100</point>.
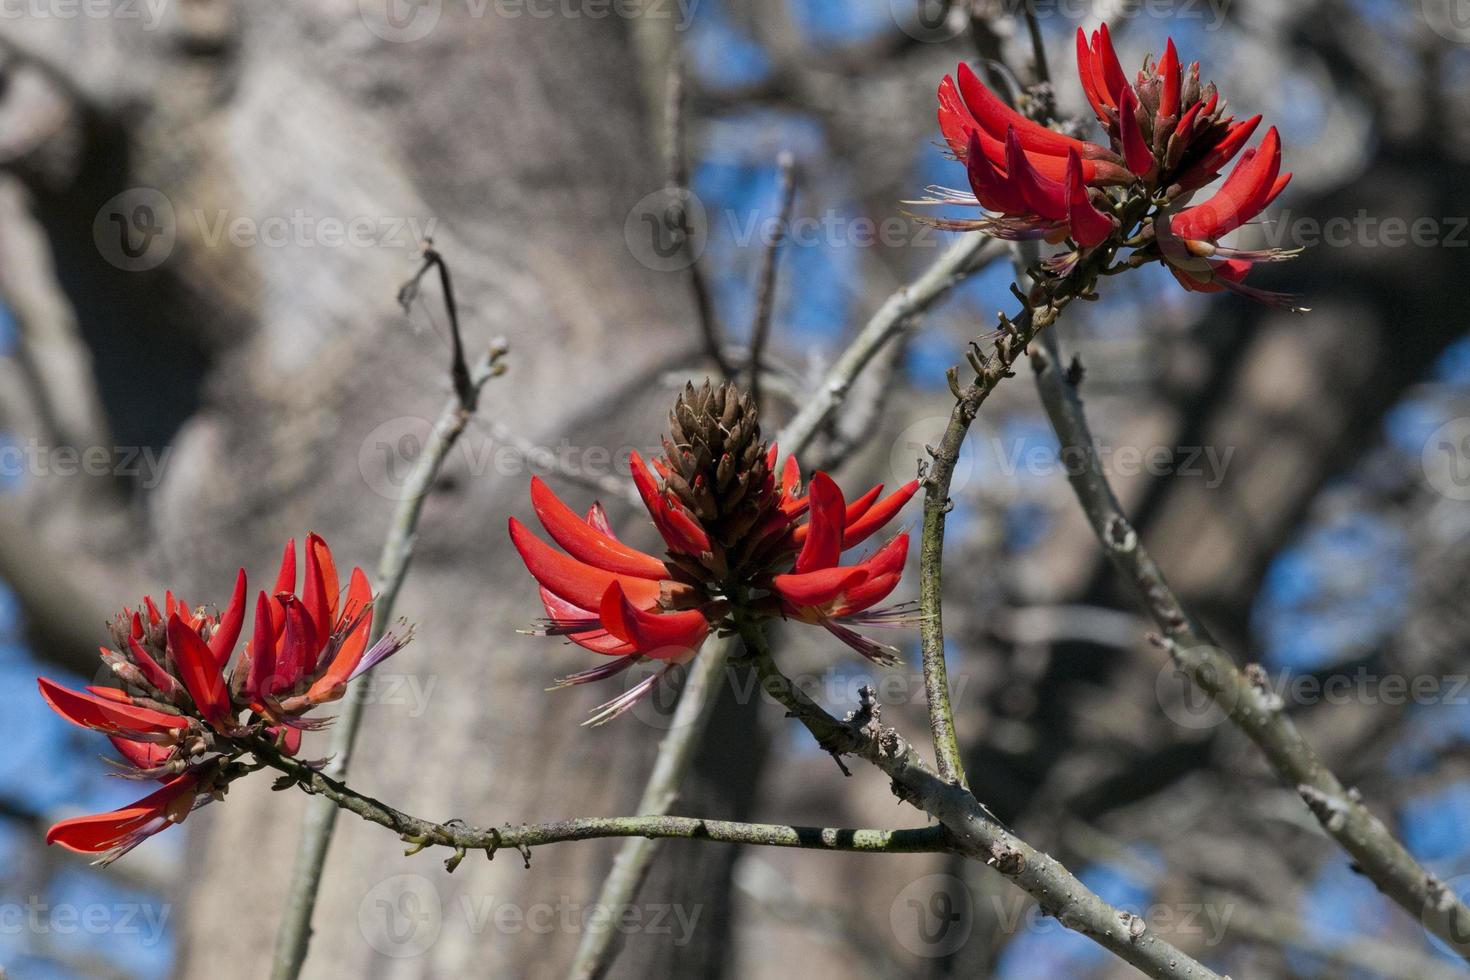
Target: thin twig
<point>459,372</point>
<point>1255,709</point>
<point>294,933</point>
<point>676,170</point>
<point>975,832</point>
<point>460,836</point>
<point>675,758</point>
<point>765,292</point>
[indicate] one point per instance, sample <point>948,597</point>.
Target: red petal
<point>1087,72</point>
<point>992,189</point>
<point>331,583</point>
<point>659,635</point>
<point>107,714</point>
<point>995,117</point>
<point>155,674</point>
<point>817,588</point>
<point>260,679</point>
<point>199,671</point>
<point>597,640</point>
<point>1139,157</point>
<point>314,597</point>
<point>1239,198</point>
<point>1113,77</point>
<point>575,581</point>
<point>298,645</point>
<point>682,534</point>
<point>1042,195</point>
<point>286,578</point>
<point>1088,225</point>
<point>879,515</point>
<point>227,632</point>
<point>142,755</point>
<point>583,542</point>
<point>828,519</point>
<point>359,604</point>
<point>1168,70</point>
<point>103,831</point>
<point>884,569</point>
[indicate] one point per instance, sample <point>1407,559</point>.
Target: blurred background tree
<point>1304,509</point>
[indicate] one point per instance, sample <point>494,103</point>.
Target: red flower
<point>179,706</point>
<point>736,545</point>
<point>1189,239</point>
<point>1168,136</point>
<point>114,834</point>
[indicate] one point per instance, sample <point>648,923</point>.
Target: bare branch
<point>765,292</point>
<point>1255,709</point>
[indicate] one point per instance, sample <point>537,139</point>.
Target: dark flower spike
<point>741,539</point>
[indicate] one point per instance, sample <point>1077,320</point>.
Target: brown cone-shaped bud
<point>715,465</point>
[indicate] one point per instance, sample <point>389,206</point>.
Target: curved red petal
<point>587,544</point>
<point>1168,70</point>
<point>659,635</point>
<point>879,515</point>
<point>358,607</point>
<point>995,117</point>
<point>199,671</point>
<point>819,587</point>
<point>573,580</point>
<point>1136,154</point>
<point>107,714</point>
<point>227,632</point>
<point>823,545</point>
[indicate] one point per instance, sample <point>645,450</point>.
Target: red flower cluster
<point>1168,137</point>
<point>178,704</point>
<point>739,542</point>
